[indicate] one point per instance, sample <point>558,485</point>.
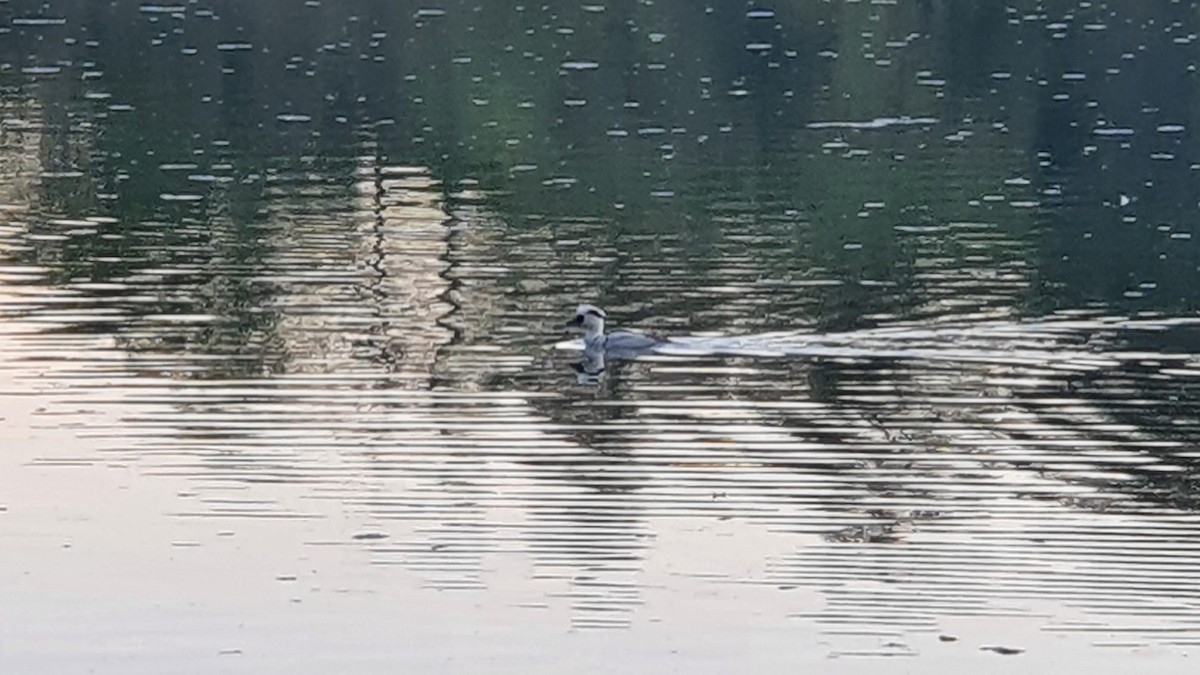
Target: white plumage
<point>591,319</point>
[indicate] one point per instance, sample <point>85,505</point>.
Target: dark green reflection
<point>749,167</point>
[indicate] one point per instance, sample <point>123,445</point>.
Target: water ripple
<point>930,356</point>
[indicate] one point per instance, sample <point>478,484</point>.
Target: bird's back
<point>622,340</point>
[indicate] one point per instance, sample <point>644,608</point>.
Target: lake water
<point>282,294</point>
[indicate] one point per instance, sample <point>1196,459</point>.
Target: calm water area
<point>285,385</point>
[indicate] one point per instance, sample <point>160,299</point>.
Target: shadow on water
<point>336,257</point>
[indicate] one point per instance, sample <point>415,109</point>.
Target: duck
<point>617,343</point>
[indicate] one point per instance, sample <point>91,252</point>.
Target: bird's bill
<point>577,321</point>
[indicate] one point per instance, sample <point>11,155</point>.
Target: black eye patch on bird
<point>577,321</point>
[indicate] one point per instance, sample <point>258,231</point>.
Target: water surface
<point>281,288</point>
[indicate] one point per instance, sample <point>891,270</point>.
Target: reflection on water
<point>929,267</point>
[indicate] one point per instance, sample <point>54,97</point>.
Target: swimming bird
<point>617,343</point>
